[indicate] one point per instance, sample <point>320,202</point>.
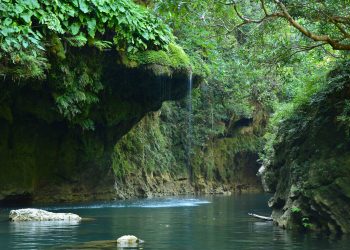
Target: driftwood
<point>260,217</point>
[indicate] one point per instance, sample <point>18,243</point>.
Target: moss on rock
<point>174,58</point>
<point>50,158</point>
<point>154,147</point>
<point>311,163</point>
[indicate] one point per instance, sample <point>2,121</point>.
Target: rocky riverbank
<point>158,185</point>
<point>309,170</point>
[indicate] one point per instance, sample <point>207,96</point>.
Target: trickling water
<point>189,132</point>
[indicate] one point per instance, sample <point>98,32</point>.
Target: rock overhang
<point>62,158</point>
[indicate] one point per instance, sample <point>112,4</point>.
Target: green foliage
<point>295,210</point>
<point>304,221</point>
<point>39,39</point>
<point>76,83</point>
<point>304,89</point>
<point>214,103</point>
<point>25,27</point>
<point>269,68</point>
<point>291,118</point>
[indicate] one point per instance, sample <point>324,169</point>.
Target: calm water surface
<point>203,223</point>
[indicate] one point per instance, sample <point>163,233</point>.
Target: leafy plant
<point>295,210</point>
<point>37,40</point>
<point>25,27</point>
<point>306,222</point>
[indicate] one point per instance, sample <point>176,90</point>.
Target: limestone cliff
<point>46,157</point>
<point>309,172</point>
<point>152,160</point>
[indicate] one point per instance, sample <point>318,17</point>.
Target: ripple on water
<point>30,234</point>
<point>145,203</point>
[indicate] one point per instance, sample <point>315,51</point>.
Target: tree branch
<point>336,44</point>
<point>249,20</point>
<point>341,29</point>
<point>264,7</point>
<point>338,21</point>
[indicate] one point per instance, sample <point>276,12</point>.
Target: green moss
<point>119,110</point>
<point>161,61</point>
<point>309,150</point>
<point>178,57</point>
<point>152,57</point>
<point>57,47</point>
<point>174,58</point>
<point>143,147</point>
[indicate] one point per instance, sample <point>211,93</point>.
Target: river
<point>203,223</point>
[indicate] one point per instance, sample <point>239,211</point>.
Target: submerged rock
<point>134,243</point>
<point>128,241</point>
<point>32,214</point>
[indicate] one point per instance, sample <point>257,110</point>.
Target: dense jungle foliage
<point>258,65</point>
<point>28,26</point>
<point>42,40</point>
<point>265,68</point>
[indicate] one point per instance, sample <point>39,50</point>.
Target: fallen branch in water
<point>260,217</point>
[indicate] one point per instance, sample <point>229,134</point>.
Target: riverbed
<point>203,223</point>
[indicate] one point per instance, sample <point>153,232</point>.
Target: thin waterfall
<point>189,125</point>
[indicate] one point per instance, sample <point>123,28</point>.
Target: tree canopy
<point>326,22</point>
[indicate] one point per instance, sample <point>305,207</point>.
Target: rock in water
<point>129,241</point>
<point>32,214</point>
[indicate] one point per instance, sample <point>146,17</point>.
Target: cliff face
<point>232,172</point>
<point>44,157</point>
<point>230,162</point>
<point>233,168</point>
<point>152,159</point>
<point>310,170</point>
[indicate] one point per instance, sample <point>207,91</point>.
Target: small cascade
<point>189,124</point>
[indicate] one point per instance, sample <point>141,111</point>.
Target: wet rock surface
<point>47,158</point>
<point>310,172</point>
<point>32,214</point>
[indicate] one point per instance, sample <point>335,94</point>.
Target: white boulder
<point>32,214</point>
<point>129,241</point>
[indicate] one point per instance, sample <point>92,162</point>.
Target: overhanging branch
<point>336,44</point>
<point>338,21</point>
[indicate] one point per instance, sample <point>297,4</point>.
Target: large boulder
<point>32,214</point>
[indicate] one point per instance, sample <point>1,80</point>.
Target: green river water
<point>203,223</point>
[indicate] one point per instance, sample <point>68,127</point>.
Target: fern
<point>132,27</point>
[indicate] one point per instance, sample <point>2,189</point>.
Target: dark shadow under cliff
<point>48,158</point>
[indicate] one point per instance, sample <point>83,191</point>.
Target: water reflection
<point>34,235</point>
